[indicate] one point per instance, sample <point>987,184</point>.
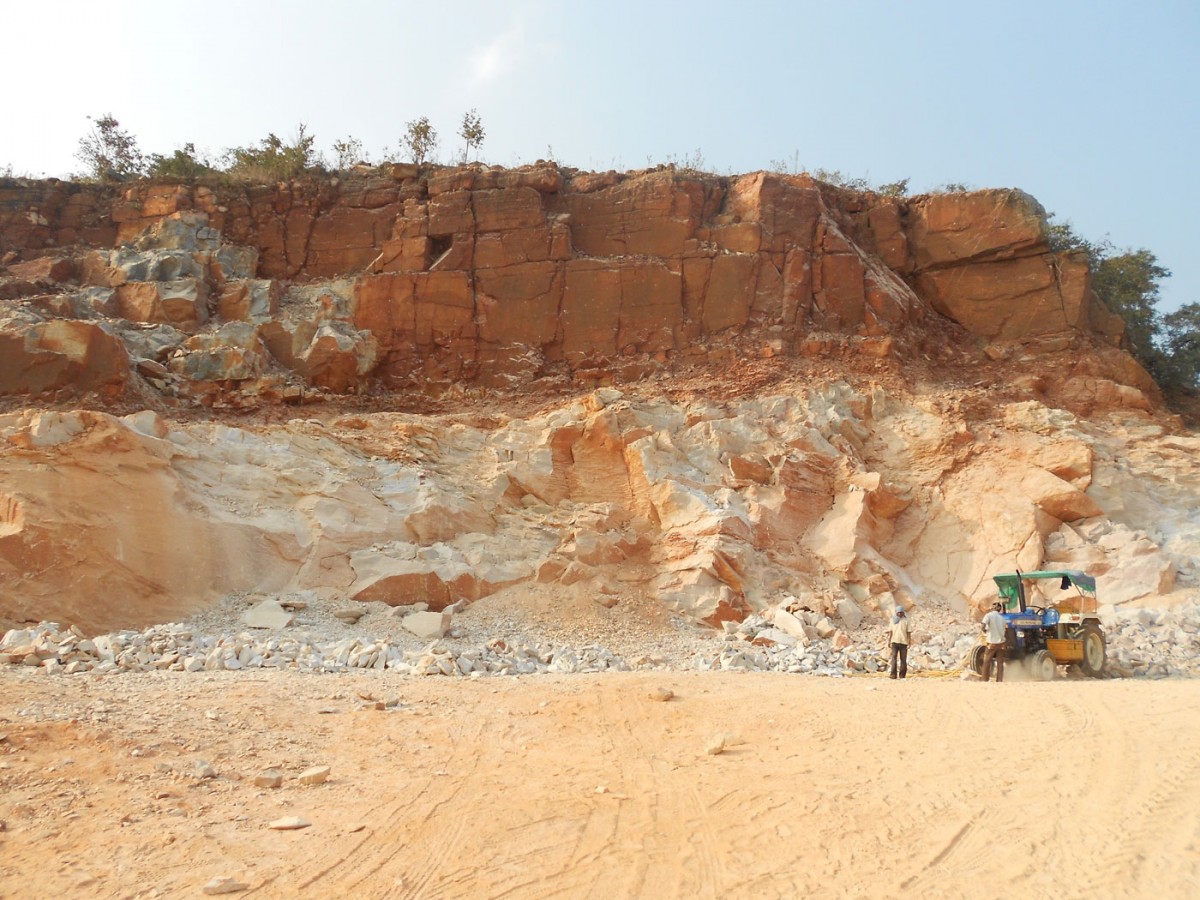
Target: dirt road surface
<point>740,785</point>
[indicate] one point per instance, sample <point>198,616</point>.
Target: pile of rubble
<point>1142,642</point>
<point>1158,643</point>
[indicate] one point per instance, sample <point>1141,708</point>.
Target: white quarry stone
<point>267,614</point>
<point>427,625</point>
<point>315,775</point>
<point>825,628</point>
<point>778,636</point>
<point>223,884</point>
<point>787,623</point>
<point>289,823</point>
<point>849,612</point>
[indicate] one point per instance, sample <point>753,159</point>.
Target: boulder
<point>232,353</point>
<point>848,611</point>
<point>248,300</point>
<point>40,356</point>
<point>267,614</point>
<point>427,625</point>
<point>330,354</point>
<point>182,304</point>
<point>1058,498</point>
<point>784,621</point>
<point>951,228</point>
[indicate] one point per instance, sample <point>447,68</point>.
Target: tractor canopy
<point>1012,588</point>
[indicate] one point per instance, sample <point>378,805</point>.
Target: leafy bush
<point>110,153</point>
<point>272,159</point>
<point>180,164</point>
<point>837,179</point>
<point>894,188</point>
<point>349,152</point>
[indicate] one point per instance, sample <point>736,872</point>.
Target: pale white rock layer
<point>851,501</point>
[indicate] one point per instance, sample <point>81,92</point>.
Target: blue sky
<point>1092,107</point>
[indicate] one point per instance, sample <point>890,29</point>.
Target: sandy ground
<point>587,786</point>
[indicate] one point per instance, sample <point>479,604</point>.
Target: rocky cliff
<point>500,278</point>
<point>718,394</point>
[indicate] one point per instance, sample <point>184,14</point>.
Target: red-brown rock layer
<point>422,278</point>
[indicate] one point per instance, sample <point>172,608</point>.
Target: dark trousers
<point>900,651</point>
<point>996,652</point>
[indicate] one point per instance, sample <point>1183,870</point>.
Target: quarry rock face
<point>419,279</point>
<point>719,395</point>
<point>850,502</point>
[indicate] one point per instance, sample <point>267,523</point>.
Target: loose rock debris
<point>1142,642</point>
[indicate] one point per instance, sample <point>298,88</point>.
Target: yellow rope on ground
<point>924,673</point>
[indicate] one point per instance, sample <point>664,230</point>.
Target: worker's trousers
<point>996,652</point>
<point>899,651</point>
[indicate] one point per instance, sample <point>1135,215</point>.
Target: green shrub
<point>271,159</point>
<point>110,153</point>
<point>180,164</point>
<point>349,152</point>
<point>837,179</point>
<point>894,188</point>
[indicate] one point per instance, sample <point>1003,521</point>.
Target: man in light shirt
<point>994,628</point>
<point>898,636</point>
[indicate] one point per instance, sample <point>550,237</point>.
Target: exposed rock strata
<point>849,501</point>
<point>500,278</point>
<point>892,399</point>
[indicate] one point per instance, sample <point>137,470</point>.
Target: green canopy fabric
<point>1009,582</point>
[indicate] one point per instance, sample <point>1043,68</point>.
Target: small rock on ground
<point>223,884</point>
<point>289,823</point>
<point>315,775</point>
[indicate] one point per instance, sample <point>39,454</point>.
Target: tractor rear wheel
<point>975,659</point>
<point>1043,666</point>
<point>1092,663</point>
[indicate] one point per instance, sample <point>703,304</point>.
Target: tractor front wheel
<point>1043,666</point>
<point>1092,663</point>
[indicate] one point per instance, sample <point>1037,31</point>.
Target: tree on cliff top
<point>421,139</point>
<point>1127,282</point>
<point>109,152</point>
<point>1181,343</point>
<point>472,132</point>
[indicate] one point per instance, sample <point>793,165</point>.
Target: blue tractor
<point>1049,624</point>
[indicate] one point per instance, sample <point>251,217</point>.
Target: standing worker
<point>899,638</point>
<point>994,628</point>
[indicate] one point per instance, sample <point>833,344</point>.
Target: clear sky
<point>1093,107</point>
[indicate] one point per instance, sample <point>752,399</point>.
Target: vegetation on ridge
<point>1127,281</point>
